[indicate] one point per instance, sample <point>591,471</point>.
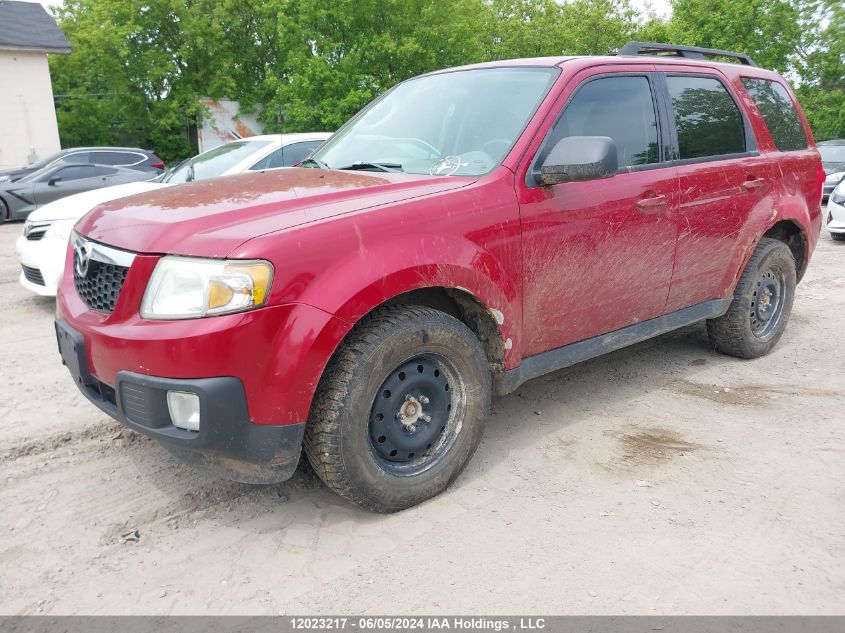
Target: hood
<point>212,217</point>
<point>19,172</point>
<point>75,206</point>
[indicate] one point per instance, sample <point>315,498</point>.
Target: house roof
<point>26,26</point>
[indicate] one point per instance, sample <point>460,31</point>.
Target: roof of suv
<point>578,62</point>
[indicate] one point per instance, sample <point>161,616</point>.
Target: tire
<point>837,237</point>
<point>356,438</point>
<point>4,212</point>
<point>751,328</point>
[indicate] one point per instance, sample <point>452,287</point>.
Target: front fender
<point>345,266</point>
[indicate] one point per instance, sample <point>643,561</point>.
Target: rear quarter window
<point>778,111</point>
<point>707,119</point>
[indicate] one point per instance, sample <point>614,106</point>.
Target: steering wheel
<point>421,143</point>
<point>503,143</point>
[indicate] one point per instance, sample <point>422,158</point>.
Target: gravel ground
<point>664,478</point>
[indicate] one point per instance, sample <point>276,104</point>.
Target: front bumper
<point>45,258</point>
<point>227,443</point>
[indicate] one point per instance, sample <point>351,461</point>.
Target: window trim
<point>663,138</point>
<point>751,147</point>
<point>795,108</point>
<point>91,153</point>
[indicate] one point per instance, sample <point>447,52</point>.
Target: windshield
<point>832,153</point>
<point>215,162</point>
<point>34,176</point>
<point>456,123</point>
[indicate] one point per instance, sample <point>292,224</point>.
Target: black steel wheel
<point>762,302</point>
<point>413,420</point>
<point>767,303</point>
<point>400,408</point>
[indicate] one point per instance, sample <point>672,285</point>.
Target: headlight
<point>838,195</point>
<point>835,177</point>
<point>60,229</point>
<point>191,287</point>
<point>4,178</point>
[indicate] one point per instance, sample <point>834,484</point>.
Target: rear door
<point>598,254</point>
<point>722,179</point>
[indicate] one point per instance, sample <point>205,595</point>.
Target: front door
<point>598,255</point>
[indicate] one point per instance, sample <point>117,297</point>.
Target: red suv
<point>470,230</point>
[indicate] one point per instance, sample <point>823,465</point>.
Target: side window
<point>74,172</point>
<point>287,156</point>
<point>619,107</point>
<point>778,112</point>
<point>708,120</point>
<point>115,158</point>
<point>295,153</point>
<point>74,157</point>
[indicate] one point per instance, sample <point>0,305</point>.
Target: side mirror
<point>52,182</point>
<point>576,158</point>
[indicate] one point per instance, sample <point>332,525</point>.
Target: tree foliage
<point>139,67</point>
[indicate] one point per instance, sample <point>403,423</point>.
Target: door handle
<point>753,183</point>
<point>651,204</point>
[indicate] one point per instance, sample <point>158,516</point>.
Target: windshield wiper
<point>365,166</point>
<point>315,162</point>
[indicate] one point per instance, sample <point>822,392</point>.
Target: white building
<point>28,129</point>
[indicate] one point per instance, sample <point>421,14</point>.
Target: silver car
<point>20,198</point>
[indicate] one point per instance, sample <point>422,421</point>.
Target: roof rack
<point>677,50</point>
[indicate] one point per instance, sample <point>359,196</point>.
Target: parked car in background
<point>471,229</point>
<point>132,157</point>
<point>254,153</point>
<point>836,213</point>
<point>20,198</point>
<point>42,245</point>
<point>833,161</point>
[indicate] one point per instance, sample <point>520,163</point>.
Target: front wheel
<point>400,408</point>
<point>762,302</point>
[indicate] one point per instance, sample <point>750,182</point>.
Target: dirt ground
<point>664,479</point>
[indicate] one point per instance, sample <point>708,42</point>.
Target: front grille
<point>33,275</point>
<point>36,232</point>
<point>100,286</point>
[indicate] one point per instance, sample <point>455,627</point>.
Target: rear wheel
<point>762,302</point>
<point>400,409</point>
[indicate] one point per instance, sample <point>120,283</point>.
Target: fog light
<point>184,409</point>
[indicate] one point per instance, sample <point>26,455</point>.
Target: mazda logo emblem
<point>82,250</point>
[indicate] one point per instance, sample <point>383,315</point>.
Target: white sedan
<point>42,246</point>
<point>836,213</point>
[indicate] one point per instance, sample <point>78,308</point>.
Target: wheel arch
<point>795,237</point>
